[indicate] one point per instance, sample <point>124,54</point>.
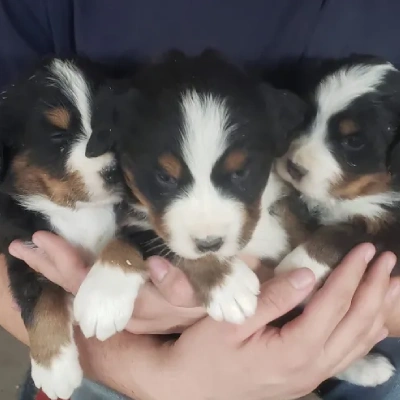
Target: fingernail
<point>369,254</point>
<point>390,262</point>
<point>301,278</point>
<point>15,249</point>
<point>158,268</point>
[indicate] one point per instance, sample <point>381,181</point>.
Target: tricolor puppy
<point>196,152</point>
<point>47,182</point>
<point>344,162</point>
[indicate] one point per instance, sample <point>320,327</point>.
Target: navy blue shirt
<point>258,31</point>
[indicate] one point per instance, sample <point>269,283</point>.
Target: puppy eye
<point>59,136</point>
<point>166,180</point>
<point>353,142</point>
<point>239,175</point>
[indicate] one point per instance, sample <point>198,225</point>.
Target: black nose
<point>210,243</point>
<point>295,171</point>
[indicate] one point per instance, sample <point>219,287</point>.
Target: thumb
<point>171,282</point>
<point>278,296</point>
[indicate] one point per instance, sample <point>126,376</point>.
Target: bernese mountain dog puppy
<point>344,162</point>
<point>48,183</point>
<point>196,147</point>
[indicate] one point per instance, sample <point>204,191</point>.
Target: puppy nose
<point>295,171</point>
<point>210,243</point>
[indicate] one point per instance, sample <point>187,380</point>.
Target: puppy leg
<point>371,370</point>
<point>46,312</point>
<point>322,252</point>
<point>105,301</point>
<point>228,289</point>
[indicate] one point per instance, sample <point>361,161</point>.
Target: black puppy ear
<point>287,112</point>
<point>111,112</point>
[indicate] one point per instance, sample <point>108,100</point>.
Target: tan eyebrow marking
<point>59,117</point>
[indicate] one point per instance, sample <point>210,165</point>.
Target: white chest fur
<point>269,239</point>
<point>88,227</point>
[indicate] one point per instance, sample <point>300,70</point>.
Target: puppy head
<point>199,152</point>
<point>342,150</point>
<point>46,124</point>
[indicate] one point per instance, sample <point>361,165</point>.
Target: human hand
<point>340,324</point>
<point>165,305</point>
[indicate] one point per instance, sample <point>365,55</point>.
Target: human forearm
<point>126,363</point>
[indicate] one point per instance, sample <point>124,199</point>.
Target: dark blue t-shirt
<point>258,31</point>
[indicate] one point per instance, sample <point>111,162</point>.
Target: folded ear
<point>111,112</point>
<point>286,110</point>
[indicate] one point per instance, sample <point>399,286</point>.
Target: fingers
<point>331,303</point>
<point>278,296</point>
<point>53,257</point>
<point>366,306</point>
<point>171,283</point>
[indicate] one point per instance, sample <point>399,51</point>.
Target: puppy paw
<point>61,377</point>
<point>371,370</point>
<point>104,303</point>
<point>299,258</point>
<point>236,298</point>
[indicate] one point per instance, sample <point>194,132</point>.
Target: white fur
<point>299,258</point>
<point>269,239</point>
<point>312,152</point>
<point>87,227</point>
<point>204,211</point>
<point>105,301</point>
<point>75,87</point>
<point>62,377</point>
<point>371,370</point>
<point>236,298</point>
<point>336,210</point>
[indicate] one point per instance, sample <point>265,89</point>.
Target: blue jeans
<point>388,391</point>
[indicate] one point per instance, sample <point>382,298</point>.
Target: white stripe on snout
<point>338,90</point>
<point>203,210</point>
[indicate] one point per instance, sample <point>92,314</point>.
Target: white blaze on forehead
<point>339,89</point>
<point>336,92</point>
<point>203,210</point>
<point>205,130</point>
<point>74,86</point>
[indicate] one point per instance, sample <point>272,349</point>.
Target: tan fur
<point>31,180</point>
<point>59,117</point>
<point>155,219</point>
<point>204,274</point>
<point>351,187</point>
<point>235,160</point>
<point>171,165</point>
<point>252,216</point>
<point>348,127</point>
<point>122,255</point>
<point>51,326</point>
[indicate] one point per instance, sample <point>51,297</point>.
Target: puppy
<point>196,148</point>
<point>344,162</point>
<point>48,183</point>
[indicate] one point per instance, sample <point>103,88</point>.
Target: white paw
<point>372,370</point>
<point>299,258</point>
<point>104,303</point>
<point>236,298</point>
<point>62,377</point>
